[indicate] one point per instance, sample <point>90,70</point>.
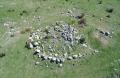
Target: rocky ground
<point>59,38</point>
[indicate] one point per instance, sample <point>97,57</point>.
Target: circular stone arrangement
<point>56,43</point>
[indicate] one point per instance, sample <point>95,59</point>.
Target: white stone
<point>30,45</point>
<point>62,60</point>
<point>65,55</point>
<point>36,43</point>
<point>69,58</point>
<point>84,45</point>
<point>56,55</point>
<point>53,58</point>
<point>75,56</point>
<point>60,65</point>
<point>80,55</point>
<point>49,58</point>
<point>31,39</point>
<point>36,63</point>
<point>37,37</point>
<point>37,50</point>
<point>96,51</point>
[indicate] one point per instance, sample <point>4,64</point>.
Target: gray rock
<point>75,56</point>
<point>36,63</point>
<point>60,65</point>
<point>69,58</point>
<point>62,60</point>
<point>30,45</point>
<point>36,44</point>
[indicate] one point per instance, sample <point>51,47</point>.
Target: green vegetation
<point>18,61</point>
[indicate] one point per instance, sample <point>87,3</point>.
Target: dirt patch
<point>104,40</point>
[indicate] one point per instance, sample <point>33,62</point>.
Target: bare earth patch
<point>103,39</point>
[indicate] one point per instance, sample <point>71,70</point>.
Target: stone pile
<point>55,43</point>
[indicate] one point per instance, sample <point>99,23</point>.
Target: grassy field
<point>19,61</point>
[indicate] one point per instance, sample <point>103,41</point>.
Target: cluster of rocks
<point>104,33</point>
<point>49,43</point>
<point>63,33</point>
<point>11,28</point>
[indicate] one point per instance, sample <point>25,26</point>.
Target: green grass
<point>19,62</point>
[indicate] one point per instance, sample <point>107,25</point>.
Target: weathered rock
<point>37,50</point>
<point>79,55</point>
<point>96,51</point>
<point>29,45</point>
<point>69,58</point>
<point>56,55</point>
<point>57,60</point>
<point>107,33</point>
<point>75,56</point>
<point>35,44</point>
<point>53,59</point>
<point>49,58</point>
<point>84,45</point>
<point>60,65</point>
<point>44,57</point>
<point>62,60</point>
<point>36,63</point>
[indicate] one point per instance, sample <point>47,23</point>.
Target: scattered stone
<point>79,55</point>
<point>69,58</point>
<point>37,50</point>
<point>36,63</point>
<point>62,60</point>
<point>12,35</point>
<point>57,60</point>
<point>56,55</point>
<point>84,45</point>
<point>47,41</point>
<point>75,56</point>
<point>35,44</point>
<point>29,45</point>
<point>107,33</point>
<point>65,54</point>
<point>60,65</point>
<point>96,51</point>
<point>53,59</point>
<point>70,11</point>
<point>44,57</point>
<point>49,58</point>
<point>30,39</point>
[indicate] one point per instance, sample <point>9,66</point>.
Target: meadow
<point>18,61</point>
